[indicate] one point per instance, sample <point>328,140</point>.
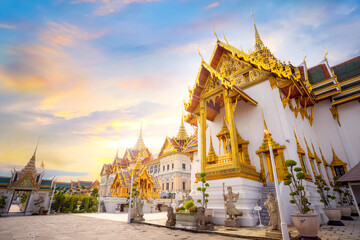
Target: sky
<point>83,75</point>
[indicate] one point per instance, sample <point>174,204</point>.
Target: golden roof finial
<point>202,59</point>
<point>305,56</point>
<point>259,45</point>
<point>326,53</point>
<point>217,39</point>
<point>225,39</point>
<point>42,164</point>
<point>322,157</point>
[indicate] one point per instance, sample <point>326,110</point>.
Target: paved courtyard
<point>114,226</point>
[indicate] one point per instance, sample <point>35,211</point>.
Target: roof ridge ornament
<point>226,39</point>
<point>326,53</point>
<point>202,59</point>
<point>217,39</point>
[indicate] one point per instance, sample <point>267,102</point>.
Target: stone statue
<point>204,222</point>
<point>273,210</point>
<point>230,198</point>
<point>171,221</point>
<point>139,210</point>
<point>185,197</point>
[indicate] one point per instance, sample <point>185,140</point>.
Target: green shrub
<point>203,189</point>
<point>323,191</point>
<point>189,204</point>
<point>3,201</point>
<point>297,190</point>
<point>86,204</point>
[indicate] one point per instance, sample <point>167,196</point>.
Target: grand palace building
<point>312,112</point>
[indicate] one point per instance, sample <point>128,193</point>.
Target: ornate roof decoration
<point>336,161</point>
<point>299,148</point>
<point>316,156</point>
<point>224,132</point>
<point>310,154</point>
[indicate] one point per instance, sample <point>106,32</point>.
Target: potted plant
<point>78,204</point>
<point>308,224</point>
<point>345,207</point>
<point>163,208</point>
<point>186,216</point>
<point>2,203</point>
<point>333,214</point>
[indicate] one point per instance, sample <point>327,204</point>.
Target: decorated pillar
<point>203,134</point>
<point>232,129</point>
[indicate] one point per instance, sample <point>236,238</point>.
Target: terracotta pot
<point>308,225</point>
<point>333,214</point>
<point>345,211</point>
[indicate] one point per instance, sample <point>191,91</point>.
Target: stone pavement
<point>113,226</point>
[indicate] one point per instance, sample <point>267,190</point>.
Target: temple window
<point>172,185</point>
<point>167,186</point>
<point>163,186</point>
<point>183,166</point>
<point>339,171</point>
<point>168,167</point>
<point>172,166</point>
<point>184,185</point>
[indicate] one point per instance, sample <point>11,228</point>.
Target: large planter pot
<point>186,220</point>
<point>334,216</point>
<point>308,225</point>
<point>354,211</point>
<point>346,213</point>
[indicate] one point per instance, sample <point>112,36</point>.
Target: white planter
<point>308,225</point>
<point>334,216</point>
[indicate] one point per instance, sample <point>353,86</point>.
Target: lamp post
<point>129,213</point>
<point>284,229</point>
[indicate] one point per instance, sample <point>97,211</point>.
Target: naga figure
<point>273,210</point>
<point>230,198</point>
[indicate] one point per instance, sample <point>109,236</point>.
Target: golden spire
<point>30,166</point>
<point>42,165</point>
<point>259,45</point>
<point>310,154</point>
<point>299,148</point>
<point>182,134</point>
<point>267,134</point>
<point>140,142</point>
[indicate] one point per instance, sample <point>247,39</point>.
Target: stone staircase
<point>270,188</point>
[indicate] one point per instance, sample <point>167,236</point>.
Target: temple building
<point>115,183</point>
<point>312,113</point>
<point>26,191</point>
<point>175,162</point>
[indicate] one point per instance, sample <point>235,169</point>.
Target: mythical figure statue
<point>273,210</point>
<point>230,198</point>
<point>139,210</point>
<point>171,221</point>
<point>204,222</point>
<point>185,197</point>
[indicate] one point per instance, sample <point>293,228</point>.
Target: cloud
<point>110,6</point>
<point>7,26</point>
<point>213,5</point>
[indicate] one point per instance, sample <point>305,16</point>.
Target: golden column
<point>203,134</point>
<point>232,129</point>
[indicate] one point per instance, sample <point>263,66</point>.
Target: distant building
<point>174,161</point>
<point>78,187</point>
<point>26,191</point>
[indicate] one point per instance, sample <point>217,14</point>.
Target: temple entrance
<point>19,202</point>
